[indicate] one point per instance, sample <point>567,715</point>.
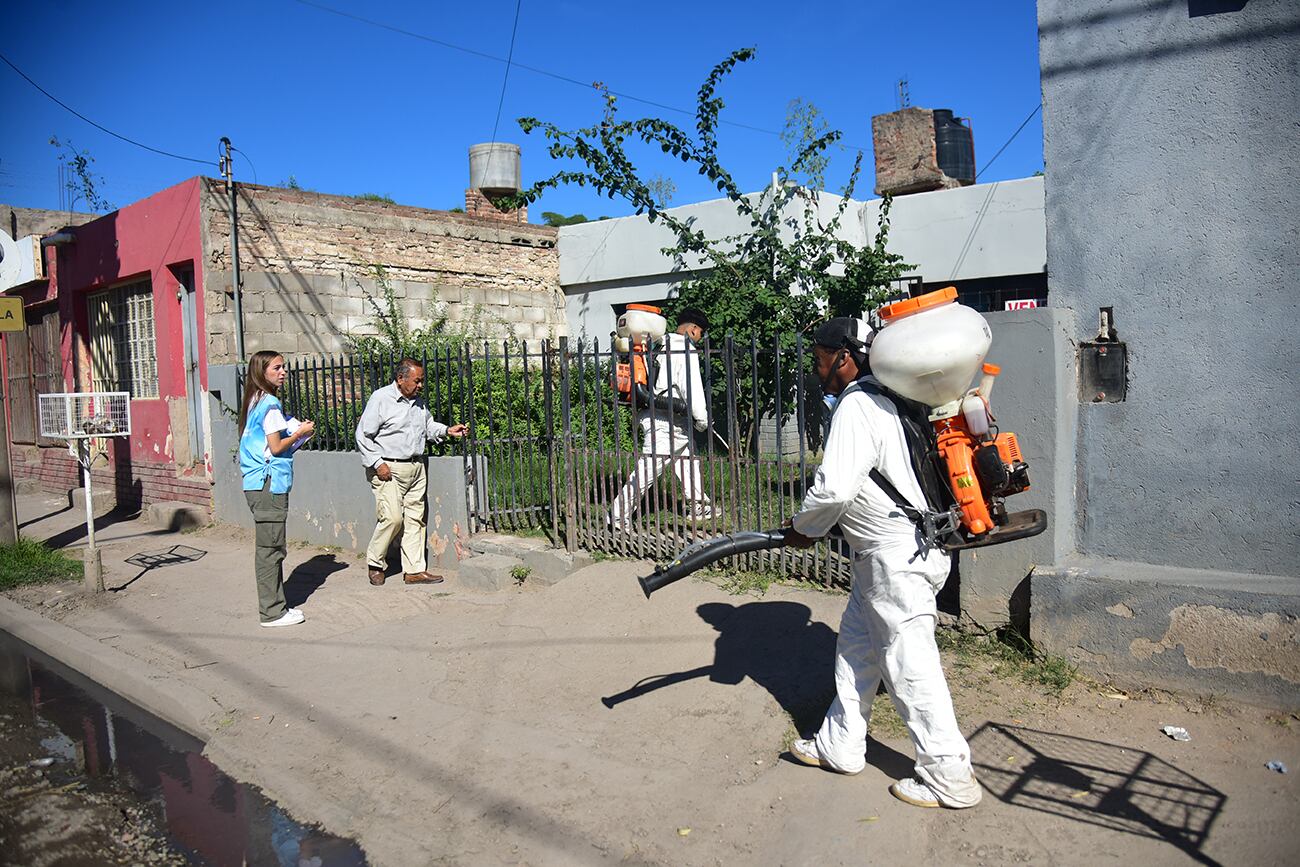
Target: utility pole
<point>8,506</point>
<point>228,171</point>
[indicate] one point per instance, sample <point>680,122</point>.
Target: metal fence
<point>551,444</point>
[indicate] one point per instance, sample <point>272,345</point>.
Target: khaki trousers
<point>399,508</point>
<point>270,511</point>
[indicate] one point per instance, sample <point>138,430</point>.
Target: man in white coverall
<point>665,436</point>
<point>887,632</point>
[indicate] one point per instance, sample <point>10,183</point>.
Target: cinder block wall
<point>307,265</point>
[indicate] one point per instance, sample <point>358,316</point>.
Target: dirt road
<point>582,724</point>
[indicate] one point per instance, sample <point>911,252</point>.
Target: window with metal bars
<point>123,351</point>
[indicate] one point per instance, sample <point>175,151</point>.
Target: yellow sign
<point>11,315</point>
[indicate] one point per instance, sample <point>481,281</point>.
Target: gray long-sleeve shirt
<point>393,426</point>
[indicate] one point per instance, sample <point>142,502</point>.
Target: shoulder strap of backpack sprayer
<point>936,521</point>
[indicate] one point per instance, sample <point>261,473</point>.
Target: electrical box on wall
<point>1103,364</point>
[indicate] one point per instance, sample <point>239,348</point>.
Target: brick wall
<point>307,264</point>
<point>479,205</point>
<point>136,485</point>
<point>906,158</point>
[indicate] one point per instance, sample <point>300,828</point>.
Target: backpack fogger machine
<point>926,356</point>
<point>638,329</point>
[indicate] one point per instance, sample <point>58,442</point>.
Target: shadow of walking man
<point>774,644</point>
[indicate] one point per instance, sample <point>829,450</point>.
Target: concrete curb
<point>162,695</point>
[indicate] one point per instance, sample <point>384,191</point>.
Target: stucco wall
<point>1137,625</point>
<point>1034,397</point>
<point>986,230</point>
<point>1171,177</point>
<point>156,238</point>
<point>306,260</point>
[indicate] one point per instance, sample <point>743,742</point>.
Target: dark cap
<point>843,332</point>
<point>692,316</point>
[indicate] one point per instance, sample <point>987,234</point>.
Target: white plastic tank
<point>640,323</point>
<point>494,168</point>
<point>929,348</point>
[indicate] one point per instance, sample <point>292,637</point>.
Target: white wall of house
<point>986,230</point>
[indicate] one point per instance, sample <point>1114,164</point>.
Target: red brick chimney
<point>478,205</point>
<point>907,159</point>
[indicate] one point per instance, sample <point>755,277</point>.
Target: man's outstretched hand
<point>457,430</point>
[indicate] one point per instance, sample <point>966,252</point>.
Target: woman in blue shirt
<point>266,445</point>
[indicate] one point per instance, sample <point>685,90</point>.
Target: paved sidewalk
<point>583,724</point>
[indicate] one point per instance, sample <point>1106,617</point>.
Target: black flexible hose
<point>701,554</point>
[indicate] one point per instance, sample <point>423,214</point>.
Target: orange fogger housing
<point>631,367</point>
<point>959,450</point>
<point>982,471</point>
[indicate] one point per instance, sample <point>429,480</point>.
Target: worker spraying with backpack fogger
<point>924,359</point>
<point>658,374</point>
<point>913,468</point>
<point>887,632</point>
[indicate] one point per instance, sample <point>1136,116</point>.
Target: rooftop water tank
<point>494,168</point>
<point>954,148</point>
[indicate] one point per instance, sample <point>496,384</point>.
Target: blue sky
<point>347,107</point>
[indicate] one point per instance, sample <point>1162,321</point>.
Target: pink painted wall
<point>150,238</point>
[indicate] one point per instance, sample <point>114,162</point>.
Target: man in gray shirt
<point>391,437</point>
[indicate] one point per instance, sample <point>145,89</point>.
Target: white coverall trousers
<point>662,442</point>
<point>887,633</point>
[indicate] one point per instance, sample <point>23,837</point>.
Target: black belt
<point>413,460</point>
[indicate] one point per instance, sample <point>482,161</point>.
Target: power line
<point>100,127</point>
<point>1010,140</point>
<point>546,72</point>
<point>247,160</point>
<point>509,56</point>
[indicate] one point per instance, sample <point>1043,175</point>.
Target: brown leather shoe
<point>376,576</point>
<point>422,578</point>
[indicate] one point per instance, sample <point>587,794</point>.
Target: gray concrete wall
<point>987,230</point>
<point>1205,632</point>
<point>1034,397</point>
<point>621,261</point>
<point>1171,176</point>
<point>331,503</point>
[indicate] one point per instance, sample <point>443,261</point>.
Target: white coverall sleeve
<point>852,449</point>
<point>694,388</point>
<point>367,429</point>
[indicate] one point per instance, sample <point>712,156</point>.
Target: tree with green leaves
<point>80,180</point>
<point>768,284</point>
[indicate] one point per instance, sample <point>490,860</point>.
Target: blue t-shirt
<point>254,462</point>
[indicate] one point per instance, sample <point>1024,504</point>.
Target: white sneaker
<point>913,791</point>
<point>805,750</point>
<point>291,617</point>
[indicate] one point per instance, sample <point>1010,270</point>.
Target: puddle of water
<point>212,819</point>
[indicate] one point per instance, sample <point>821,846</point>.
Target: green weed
<point>520,573</point>
<point>1011,654</point>
<point>885,721</point>
<point>31,562</point>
